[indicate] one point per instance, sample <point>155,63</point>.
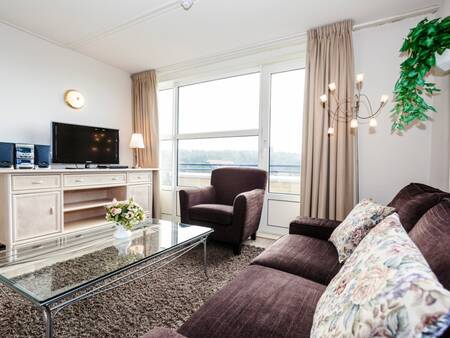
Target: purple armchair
<point>232,204</point>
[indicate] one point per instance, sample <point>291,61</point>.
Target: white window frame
<point>262,132</point>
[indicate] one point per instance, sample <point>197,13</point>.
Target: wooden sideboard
<point>44,203</point>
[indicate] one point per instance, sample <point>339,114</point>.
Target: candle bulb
<point>323,98</point>
<point>384,99</point>
<point>359,78</point>
<point>330,131</point>
<point>354,123</point>
<point>332,86</point>
<point>373,122</point>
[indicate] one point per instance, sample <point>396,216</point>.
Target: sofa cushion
<point>413,201</point>
<point>215,213</point>
<point>259,302</point>
<point>431,234</point>
<point>308,257</point>
<point>363,217</point>
<point>385,289</point>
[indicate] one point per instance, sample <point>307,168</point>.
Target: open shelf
<point>86,205</point>
<point>85,223</point>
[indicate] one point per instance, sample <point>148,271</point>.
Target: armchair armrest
<point>194,196</point>
<point>247,208</point>
<point>313,227</point>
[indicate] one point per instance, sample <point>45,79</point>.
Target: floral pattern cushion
<point>385,289</point>
<point>364,216</point>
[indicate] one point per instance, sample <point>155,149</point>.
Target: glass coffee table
<point>58,272</point>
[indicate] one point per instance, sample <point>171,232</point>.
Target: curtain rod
<point>391,19</point>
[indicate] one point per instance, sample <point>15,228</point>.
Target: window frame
<point>262,132</point>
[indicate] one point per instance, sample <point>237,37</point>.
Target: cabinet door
<point>36,215</point>
<point>142,195</point>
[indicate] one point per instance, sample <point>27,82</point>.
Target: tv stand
<point>42,204</point>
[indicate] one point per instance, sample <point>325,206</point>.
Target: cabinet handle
<point>79,180</point>
<point>51,211</point>
<point>37,182</point>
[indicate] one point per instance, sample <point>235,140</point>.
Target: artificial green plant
<point>421,45</point>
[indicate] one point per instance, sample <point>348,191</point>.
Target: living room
<point>206,168</point>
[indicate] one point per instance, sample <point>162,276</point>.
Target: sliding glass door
<point>253,119</point>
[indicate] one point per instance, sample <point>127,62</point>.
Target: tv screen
<point>74,144</point>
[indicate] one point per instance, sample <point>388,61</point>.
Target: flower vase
<point>121,232</point>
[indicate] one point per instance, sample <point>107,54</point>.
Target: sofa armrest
<point>247,208</point>
<point>160,332</point>
<point>313,227</point>
<point>194,196</point>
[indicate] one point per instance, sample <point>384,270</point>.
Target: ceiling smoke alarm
<point>186,4</point>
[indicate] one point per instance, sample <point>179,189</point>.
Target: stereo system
<point>24,156</point>
<point>6,155</point>
<point>42,156</point>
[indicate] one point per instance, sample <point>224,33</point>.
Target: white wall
<point>34,75</point>
<point>387,162</point>
<point>439,171</point>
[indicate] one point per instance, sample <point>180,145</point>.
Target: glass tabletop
<point>47,269</point>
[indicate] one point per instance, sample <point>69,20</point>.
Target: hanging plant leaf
<point>421,45</point>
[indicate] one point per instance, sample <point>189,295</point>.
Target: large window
<point>165,110</point>
<point>286,107</point>
<point>220,105</point>
<point>218,126</point>
<point>253,119</point>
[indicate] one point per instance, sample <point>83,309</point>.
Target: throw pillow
<point>385,289</point>
<point>364,216</point>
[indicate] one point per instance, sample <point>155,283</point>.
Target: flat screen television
<point>74,144</point>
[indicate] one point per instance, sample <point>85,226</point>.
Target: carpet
<point>166,298</point>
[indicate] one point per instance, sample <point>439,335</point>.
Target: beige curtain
<point>145,122</point>
<point>328,161</point>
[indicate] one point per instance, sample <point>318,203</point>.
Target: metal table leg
<point>204,258</point>
<point>48,322</point>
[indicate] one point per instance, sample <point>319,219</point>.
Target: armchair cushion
<point>313,227</point>
<point>214,213</point>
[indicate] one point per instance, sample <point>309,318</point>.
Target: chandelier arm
<point>372,114</point>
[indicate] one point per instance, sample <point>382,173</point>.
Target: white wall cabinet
<point>46,203</point>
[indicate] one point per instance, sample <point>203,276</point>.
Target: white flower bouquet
<point>126,213</point>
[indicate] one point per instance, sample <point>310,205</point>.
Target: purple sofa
<point>232,204</point>
<point>277,294</point>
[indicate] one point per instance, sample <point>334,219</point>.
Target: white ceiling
<point>136,35</point>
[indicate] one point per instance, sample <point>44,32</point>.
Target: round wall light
<point>74,99</point>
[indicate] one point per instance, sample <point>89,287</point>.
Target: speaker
<point>6,155</point>
<point>42,156</point>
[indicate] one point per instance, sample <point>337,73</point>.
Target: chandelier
<point>341,113</point>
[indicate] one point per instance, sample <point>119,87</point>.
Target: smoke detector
<point>186,4</point>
